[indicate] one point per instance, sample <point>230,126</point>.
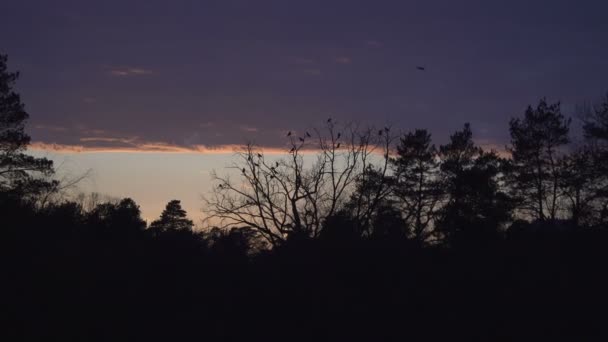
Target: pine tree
<point>173,218</point>
<point>19,173</point>
<point>537,147</point>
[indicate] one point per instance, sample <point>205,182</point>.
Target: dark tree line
<point>382,236</point>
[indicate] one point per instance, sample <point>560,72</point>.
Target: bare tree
<point>295,195</point>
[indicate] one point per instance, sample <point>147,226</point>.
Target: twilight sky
<point>176,75</point>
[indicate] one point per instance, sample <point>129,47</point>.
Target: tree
<point>290,196</point>
<point>537,143</point>
<point>584,186</point>
<point>122,219</point>
<point>19,173</point>
<point>173,218</point>
<point>595,121</point>
<point>416,183</point>
<point>475,207</point>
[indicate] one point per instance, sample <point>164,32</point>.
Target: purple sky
<point>115,74</point>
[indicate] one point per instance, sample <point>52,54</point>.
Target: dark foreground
<point>69,281</point>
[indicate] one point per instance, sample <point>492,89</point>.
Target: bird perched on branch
<point>308,134</point>
<point>289,133</point>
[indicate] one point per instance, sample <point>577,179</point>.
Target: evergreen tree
<point>416,183</point>
<point>19,173</point>
<point>475,206</point>
<point>173,218</point>
<point>538,141</point>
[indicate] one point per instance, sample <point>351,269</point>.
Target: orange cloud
<point>148,147</point>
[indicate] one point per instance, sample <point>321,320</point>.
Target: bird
<point>292,149</point>
<point>220,186</point>
<point>329,120</point>
<point>339,135</point>
<point>243,170</point>
<point>338,146</point>
<point>277,163</point>
<point>259,155</point>
<point>380,132</point>
<point>301,139</point>
<point>421,68</point>
<point>289,133</point>
<point>308,134</point>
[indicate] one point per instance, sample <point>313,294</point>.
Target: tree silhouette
<point>476,206</point>
<point>19,172</point>
<point>173,218</point>
<point>537,145</point>
<point>117,219</point>
<point>288,196</point>
<point>416,184</point>
<point>583,186</point>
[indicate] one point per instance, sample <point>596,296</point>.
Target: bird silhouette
<point>308,134</point>
<point>289,133</point>
<point>259,155</point>
<point>277,163</point>
<point>421,68</point>
<point>329,120</point>
<point>243,170</point>
<point>301,139</point>
<point>339,135</point>
<point>292,150</point>
<point>338,146</point>
<point>380,132</point>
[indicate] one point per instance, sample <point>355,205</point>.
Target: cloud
<point>300,60</point>
<point>207,124</point>
<point>315,72</point>
<point>342,60</point>
<point>127,71</point>
<point>151,147</point>
<point>249,129</point>
<point>374,43</point>
<point>52,128</point>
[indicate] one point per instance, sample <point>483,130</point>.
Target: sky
<point>152,94</point>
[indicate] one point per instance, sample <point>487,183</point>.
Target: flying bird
<point>421,68</point>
